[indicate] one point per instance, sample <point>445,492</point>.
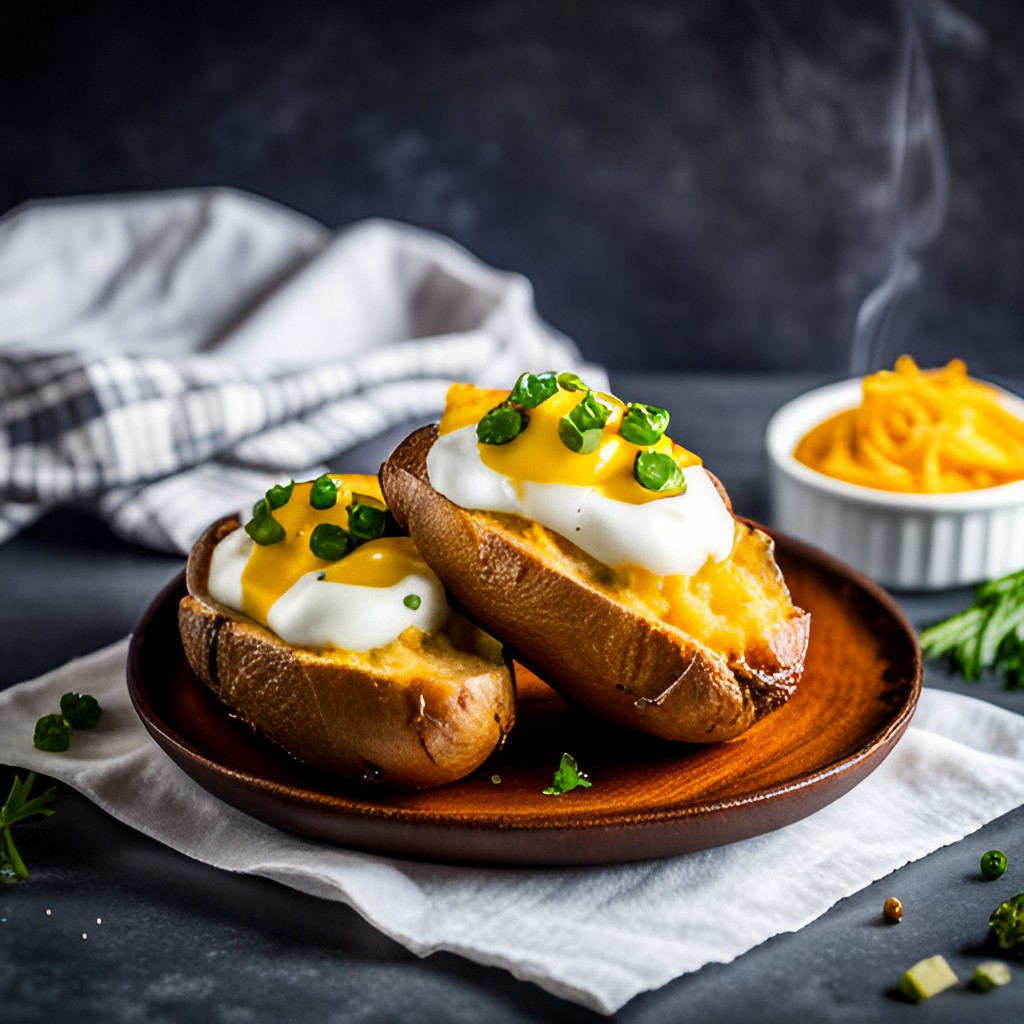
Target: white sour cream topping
<point>319,613</point>
<point>669,536</point>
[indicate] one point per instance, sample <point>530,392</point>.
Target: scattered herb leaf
<point>17,808</point>
<point>533,388</point>
<point>80,710</point>
<point>279,495</point>
<point>1007,922</point>
<point>324,493</point>
<point>988,634</point>
<point>412,601</point>
<point>330,542</point>
<point>52,734</point>
<point>502,424</point>
<point>263,527</point>
<point>567,776</point>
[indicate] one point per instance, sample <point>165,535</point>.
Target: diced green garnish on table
<point>927,978</point>
<point>989,975</point>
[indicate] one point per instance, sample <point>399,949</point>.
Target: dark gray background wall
<point>690,184</point>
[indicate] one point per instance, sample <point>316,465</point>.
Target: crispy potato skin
<point>604,654</point>
<point>397,720</point>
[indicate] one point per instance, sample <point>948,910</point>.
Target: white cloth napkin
<point>594,935</point>
<point>164,358</point>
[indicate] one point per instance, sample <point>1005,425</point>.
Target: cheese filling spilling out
<point>360,602</point>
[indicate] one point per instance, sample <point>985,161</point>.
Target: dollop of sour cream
<point>362,601</point>
<point>672,535</point>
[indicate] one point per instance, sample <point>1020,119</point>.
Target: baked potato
<point>424,708</point>
<point>695,657</point>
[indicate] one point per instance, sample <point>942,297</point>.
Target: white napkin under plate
<point>633,927</point>
<point>164,358</point>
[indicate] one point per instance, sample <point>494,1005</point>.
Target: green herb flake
<point>52,734</point>
<point>658,471</point>
<point>1007,922</point>
<point>330,542</point>
<point>279,495</point>
<point>18,808</point>
<point>412,601</point>
<point>643,424</point>
<point>263,527</point>
<point>989,634</point>
<point>80,710</point>
<point>532,389</point>
<point>324,493</point>
<point>567,777</point>
<point>502,424</point>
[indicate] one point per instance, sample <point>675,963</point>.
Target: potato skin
<point>604,654</point>
<point>405,716</point>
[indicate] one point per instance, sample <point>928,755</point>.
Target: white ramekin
<point>904,541</point>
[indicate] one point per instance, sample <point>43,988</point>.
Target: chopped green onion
<point>532,389</point>
<point>330,542</point>
<point>658,471</point>
<point>279,494</point>
<point>324,493</point>
<point>580,429</point>
<point>570,382</point>
<point>52,733</point>
<point>263,527</point>
<point>643,424</point>
<point>80,710</point>
<point>501,425</point>
<point>367,518</point>
<point>993,864</point>
<point>412,601</point>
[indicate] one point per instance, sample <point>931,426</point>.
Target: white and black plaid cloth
<point>126,393</point>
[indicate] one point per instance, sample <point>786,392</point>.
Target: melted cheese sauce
<point>592,500</point>
<point>356,603</point>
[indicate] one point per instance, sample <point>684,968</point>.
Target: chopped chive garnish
<point>80,710</point>
<point>658,471</point>
<point>412,601</point>
<point>643,424</point>
<point>52,734</point>
<point>279,494</point>
<point>501,425</point>
<point>580,430</point>
<point>263,527</point>
<point>533,388</point>
<point>570,382</point>
<point>367,518</point>
<point>324,493</point>
<point>330,542</point>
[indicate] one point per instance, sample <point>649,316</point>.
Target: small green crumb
<point>412,601</point>
<point>496,779</point>
<point>988,975</point>
<point>927,978</point>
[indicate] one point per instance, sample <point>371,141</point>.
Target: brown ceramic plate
<point>649,798</point>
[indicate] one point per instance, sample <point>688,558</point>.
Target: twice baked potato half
<point>423,705</point>
<point>688,656</point>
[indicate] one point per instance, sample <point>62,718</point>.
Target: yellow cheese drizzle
<point>271,569</point>
<point>920,431</point>
<point>539,456</point>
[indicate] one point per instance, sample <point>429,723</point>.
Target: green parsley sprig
<point>17,808</point>
<point>989,634</point>
<point>567,776</point>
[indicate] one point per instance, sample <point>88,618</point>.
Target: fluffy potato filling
<point>725,605</point>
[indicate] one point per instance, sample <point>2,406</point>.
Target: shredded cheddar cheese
<point>920,431</point>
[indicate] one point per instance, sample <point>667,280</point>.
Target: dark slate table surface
<point>179,941</point>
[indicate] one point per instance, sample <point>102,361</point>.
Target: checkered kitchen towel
<point>165,358</point>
